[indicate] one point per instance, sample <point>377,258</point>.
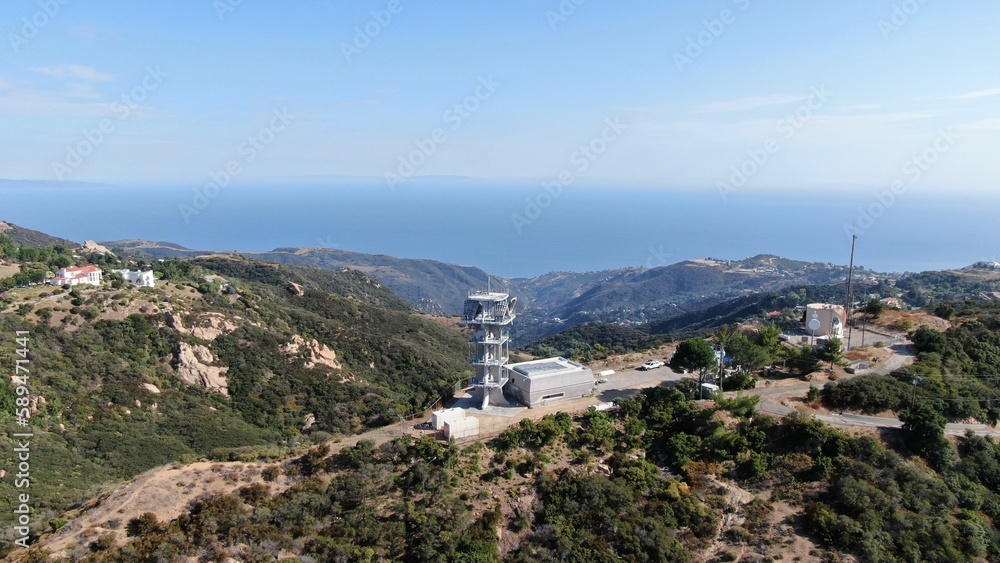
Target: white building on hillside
<point>832,319</point>
<point>74,276</point>
<point>550,379</point>
<point>138,278</point>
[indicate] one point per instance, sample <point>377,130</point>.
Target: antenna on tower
<point>850,281</point>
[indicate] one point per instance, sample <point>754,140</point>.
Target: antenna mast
<point>850,281</point>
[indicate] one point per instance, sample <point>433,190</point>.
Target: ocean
<point>524,231</point>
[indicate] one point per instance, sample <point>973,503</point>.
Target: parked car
<point>651,364</point>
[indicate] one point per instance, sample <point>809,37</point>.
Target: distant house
<point>74,276</point>
<point>891,302</point>
<point>138,278</point>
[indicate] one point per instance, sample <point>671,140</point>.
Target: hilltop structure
<point>138,278</point>
<point>71,275</point>
<point>490,315</point>
<point>832,319</point>
<point>541,381</point>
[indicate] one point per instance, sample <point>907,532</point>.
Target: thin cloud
<point>89,32</point>
<point>749,103</point>
<point>982,125</point>
<point>820,129</point>
<point>78,72</point>
<point>974,95</point>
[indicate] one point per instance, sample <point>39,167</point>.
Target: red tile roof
<point>84,270</point>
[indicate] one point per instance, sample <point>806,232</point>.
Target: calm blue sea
<point>518,231</point>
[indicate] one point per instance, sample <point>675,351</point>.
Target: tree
<point>768,336</point>
<point>723,337</point>
<point>924,428</point>
<point>944,310</point>
<point>694,354</point>
<point>747,356</point>
<point>144,525</point>
<point>833,350</point>
<point>875,308</point>
<point>927,339</point>
<point>803,360</point>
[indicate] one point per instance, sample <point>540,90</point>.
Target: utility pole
<point>722,355</point>
<point>850,282</point>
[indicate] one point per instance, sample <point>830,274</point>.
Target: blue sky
<point>699,89</point>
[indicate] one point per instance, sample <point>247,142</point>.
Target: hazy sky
<point>671,94</point>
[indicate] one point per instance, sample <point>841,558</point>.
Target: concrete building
<point>832,319</point>
<point>551,379</point>
<point>442,417</point>
<point>74,276</point>
<point>464,428</point>
<point>490,315</point>
<point>138,278</point>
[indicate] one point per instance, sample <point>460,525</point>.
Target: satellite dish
<point>814,324</point>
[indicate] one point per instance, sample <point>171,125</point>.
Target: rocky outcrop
<point>207,326</point>
<point>309,421</point>
<point>317,354</point>
<point>91,246</point>
<point>193,368</point>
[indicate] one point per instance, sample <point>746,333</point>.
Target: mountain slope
<point>558,300</point>
<point>125,379</point>
<point>637,295</point>
<point>745,308</point>
<point>33,239</point>
<point>150,249</point>
<point>435,287</point>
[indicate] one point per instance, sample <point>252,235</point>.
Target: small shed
<point>707,389</point>
<point>858,366</point>
<point>463,428</point>
<point>439,419</point>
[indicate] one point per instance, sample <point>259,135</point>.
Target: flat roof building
<point>464,428</point>
<point>550,379</point>
<point>442,417</point>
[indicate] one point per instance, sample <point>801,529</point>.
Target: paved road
<point>770,398</point>
<point>626,383</point>
<point>904,353</point>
